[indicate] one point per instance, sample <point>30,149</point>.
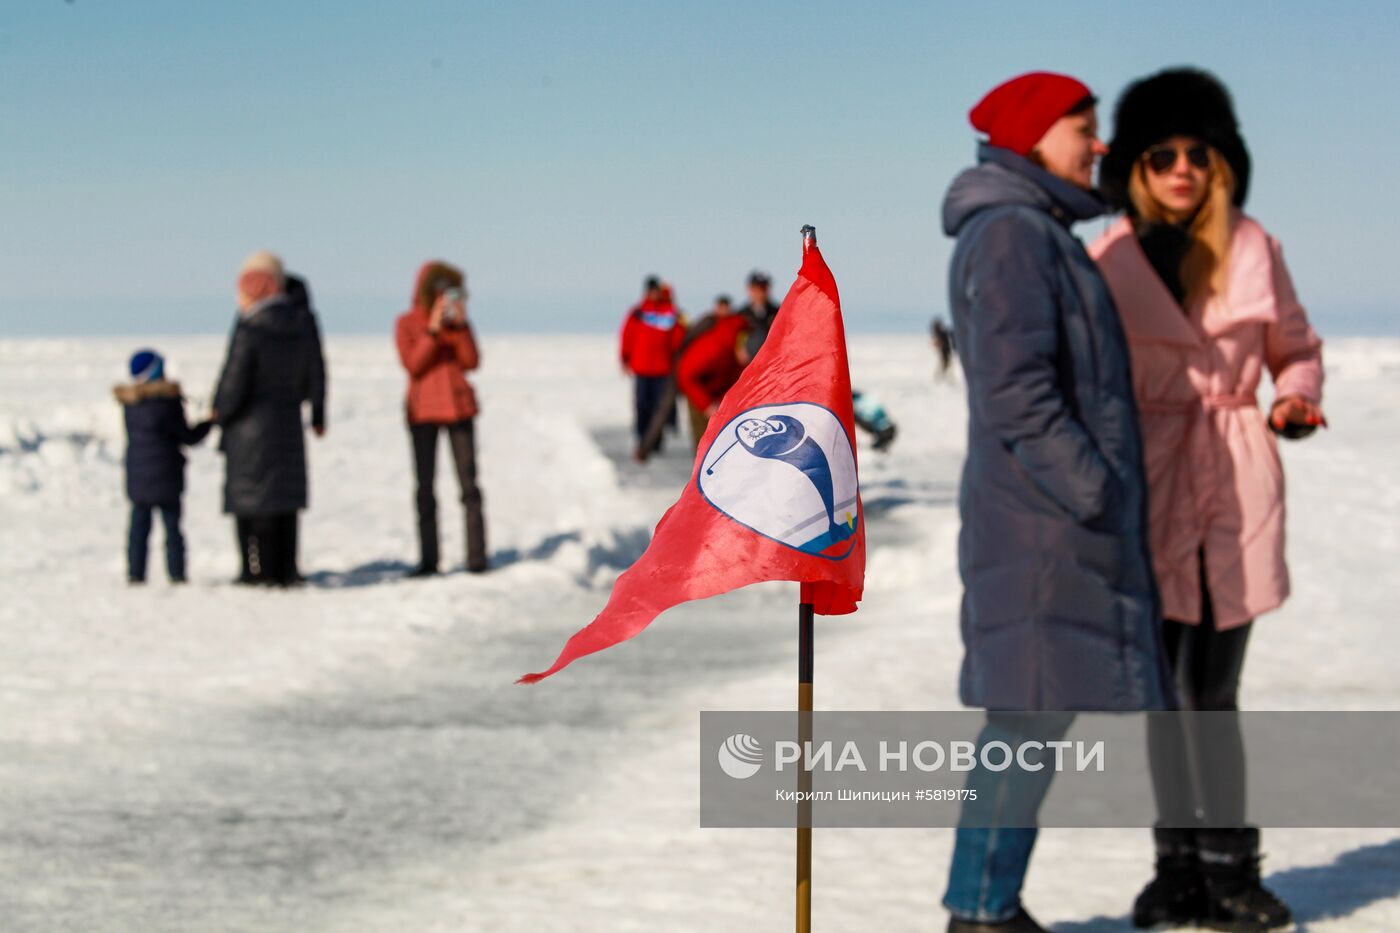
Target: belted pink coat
<point>1214,478</point>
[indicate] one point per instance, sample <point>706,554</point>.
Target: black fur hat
<point>1175,102</point>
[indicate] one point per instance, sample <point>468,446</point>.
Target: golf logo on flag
<point>788,473</point>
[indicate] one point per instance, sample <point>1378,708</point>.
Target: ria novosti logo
<point>740,756</point>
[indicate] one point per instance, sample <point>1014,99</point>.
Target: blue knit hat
<point>147,365</point>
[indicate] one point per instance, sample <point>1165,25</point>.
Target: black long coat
<point>264,382</point>
<point>156,429</point>
<point>299,294</point>
<point>1060,610</point>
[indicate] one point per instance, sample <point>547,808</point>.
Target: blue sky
<point>560,152</point>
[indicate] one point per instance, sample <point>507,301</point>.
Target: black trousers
<point>268,548</point>
<point>1198,763</point>
<point>139,535</point>
<point>461,439</point>
<point>650,395</point>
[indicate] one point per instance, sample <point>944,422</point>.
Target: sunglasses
<point>1162,159</point>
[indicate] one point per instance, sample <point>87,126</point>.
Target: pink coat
<point>1213,473</point>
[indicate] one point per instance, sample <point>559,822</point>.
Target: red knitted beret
<point>1015,114</point>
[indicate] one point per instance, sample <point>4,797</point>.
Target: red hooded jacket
<point>438,391</point>
<point>651,335</point>
<point>709,365</point>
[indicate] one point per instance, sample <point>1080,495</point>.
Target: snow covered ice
<point>353,755</point>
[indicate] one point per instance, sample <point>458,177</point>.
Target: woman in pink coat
<point>1208,306</point>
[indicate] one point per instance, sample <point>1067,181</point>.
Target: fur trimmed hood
<point>433,277</point>
<point>132,392</point>
<point>1174,102</point>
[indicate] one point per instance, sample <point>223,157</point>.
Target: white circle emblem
<point>788,473</point>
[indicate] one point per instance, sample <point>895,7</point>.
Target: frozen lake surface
<point>353,755</point>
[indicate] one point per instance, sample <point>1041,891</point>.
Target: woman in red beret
<point>1059,612</point>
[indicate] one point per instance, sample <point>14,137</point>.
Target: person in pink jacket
<point>437,349</point>
<point>1208,306</point>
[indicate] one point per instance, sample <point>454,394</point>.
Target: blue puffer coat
<point>1060,610</point>
<point>156,429</point>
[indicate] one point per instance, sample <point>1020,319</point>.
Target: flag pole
<point>804,776</point>
<point>805,659</point>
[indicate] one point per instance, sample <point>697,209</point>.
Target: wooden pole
<point>804,729</point>
<point>804,776</point>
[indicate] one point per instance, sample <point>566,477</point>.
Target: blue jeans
<point>140,534</point>
<point>992,849</point>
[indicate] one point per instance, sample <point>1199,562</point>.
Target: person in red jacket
<point>651,335</point>
<point>709,362</point>
<point>437,348</point>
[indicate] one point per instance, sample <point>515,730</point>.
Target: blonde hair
<point>1203,268</point>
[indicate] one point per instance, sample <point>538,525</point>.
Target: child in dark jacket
<point>156,429</point>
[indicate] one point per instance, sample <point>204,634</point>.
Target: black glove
<point>1292,430</point>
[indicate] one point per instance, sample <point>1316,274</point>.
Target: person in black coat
<point>266,378</point>
<point>760,312</point>
<point>299,294</point>
<point>943,345</point>
<point>156,429</point>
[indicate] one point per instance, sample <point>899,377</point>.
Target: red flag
<point>775,493</point>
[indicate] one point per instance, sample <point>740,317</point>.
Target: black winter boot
<point>885,437</point>
<point>1176,896</point>
<point>1235,899</point>
<point>243,528</point>
<point>477,561</point>
<point>427,540</point>
<point>1021,923</point>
